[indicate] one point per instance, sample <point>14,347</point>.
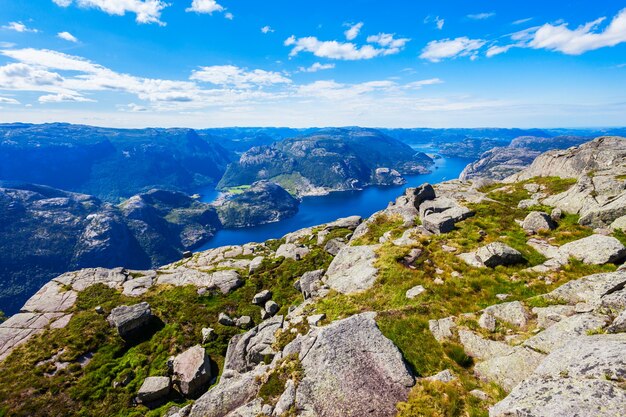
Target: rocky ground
<point>460,299</point>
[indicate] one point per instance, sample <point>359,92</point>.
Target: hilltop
<point>466,298</point>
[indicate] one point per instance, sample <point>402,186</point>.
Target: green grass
<point>239,189</point>
<point>378,227</point>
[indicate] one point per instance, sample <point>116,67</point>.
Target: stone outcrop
<point>128,320</point>
<point>536,221</point>
<point>191,370</point>
<point>492,255</point>
<point>154,388</point>
<point>352,270</point>
<point>596,249</point>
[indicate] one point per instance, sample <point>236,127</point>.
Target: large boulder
<point>192,370</point>
<point>129,319</point>
<point>245,351</point>
<point>153,388</point>
<point>310,283</point>
<point>592,289</point>
<point>509,370</point>
<point>596,249</point>
<point>441,214</point>
<point>561,333</point>
<point>353,270</point>
<point>536,221</point>
<point>492,255</point>
<point>351,370</point>
<point>512,312</point>
<point>292,251</point>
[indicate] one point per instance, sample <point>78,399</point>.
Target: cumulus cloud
<point>19,27</point>
<point>64,98</point>
<point>8,100</point>
<point>67,36</point>
<point>316,67</point>
<point>584,38</point>
<point>205,6</point>
<point>146,11</point>
<point>436,51</point>
<point>230,75</point>
<point>388,45</point>
<point>353,31</point>
<point>266,30</point>
<point>481,16</point>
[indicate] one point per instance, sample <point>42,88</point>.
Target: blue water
<point>323,209</point>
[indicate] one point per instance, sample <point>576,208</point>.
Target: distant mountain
<point>327,160</point>
<point>111,164</point>
<point>240,139</point>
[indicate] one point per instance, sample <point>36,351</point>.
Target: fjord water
<point>323,209</point>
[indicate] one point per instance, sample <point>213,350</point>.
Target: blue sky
<point>205,63</point>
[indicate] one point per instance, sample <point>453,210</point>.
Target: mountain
<point>111,164</point>
<point>500,162</point>
<point>328,160</point>
<point>454,300</point>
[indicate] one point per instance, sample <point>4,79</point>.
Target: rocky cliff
<point>327,160</point>
<point>457,299</point>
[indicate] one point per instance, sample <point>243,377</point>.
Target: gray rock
<point>556,214</point>
<point>226,281</point>
<point>406,239</point>
<point>512,312</point>
<point>443,376</point>
<point>536,221</point>
<point>442,329</point>
<point>310,283</point>
<point>225,320</point>
<point>262,297</point>
<point>286,400</point>
<point>292,251</point>
<point>315,319</point>
<point>154,388</point>
<point>509,370</point>
<point>129,319</point>
<point>414,292</point>
<point>333,246</point>
<point>596,249</point>
<point>590,289</point>
<point>244,322</point>
<point>351,369</point>
<point>619,224</point>
<point>246,351</point>
<point>487,321</point>
<point>480,348</point>
<point>192,370</point>
<point>350,222</point>
<point>271,307</point>
<point>498,253</point>
<point>599,356</point>
<point>352,270</point>
<point>619,324</point>
<point>208,334</point>
<point>481,395</point>
<point>564,331</point>
<point>424,192</point>
<point>255,263</point>
<point>562,397</point>
<point>441,214</point>
<point>411,258</point>
<point>548,316</point>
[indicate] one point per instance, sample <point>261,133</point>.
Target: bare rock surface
<point>353,270</point>
<point>130,319</point>
<point>192,370</point>
<point>596,249</point>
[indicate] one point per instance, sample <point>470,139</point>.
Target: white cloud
<point>481,16</point>
<point>416,85</point>
<point>347,50</point>
<point>267,29</point>
<point>520,21</point>
<point>64,98</point>
<point>584,38</point>
<point>146,11</point>
<point>230,75</point>
<point>435,51</point>
<point>19,27</point>
<point>353,31</point>
<point>229,16</point>
<point>316,67</point>
<point>497,50</point>
<point>439,22</point>
<point>8,100</point>
<point>67,36</point>
<point>205,6</point>
<point>132,107</point>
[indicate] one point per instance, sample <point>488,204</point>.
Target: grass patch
<point>378,227</point>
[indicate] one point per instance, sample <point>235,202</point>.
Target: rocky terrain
<point>500,162</point>
<point>328,160</point>
<point>462,299</point>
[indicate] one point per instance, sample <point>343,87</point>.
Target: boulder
<point>411,258</point>
<point>556,214</point>
<point>225,320</point>
<point>512,312</point>
<point>592,289</point>
<point>310,283</point>
<point>154,388</point>
<point>350,370</point>
<point>192,370</point>
<point>424,192</point>
<point>480,348</point>
<point>596,249</point>
<point>536,221</point>
<point>246,351</point>
<point>333,246</point>
<point>562,397</point>
<point>350,222</point>
<point>414,292</point>
<point>255,263</point>
<point>487,321</point>
<point>509,370</point>
<point>619,224</point>
<point>262,297</point>
<point>226,281</point>
<point>208,334</point>
<point>548,316</point>
<point>442,329</point>
<point>352,270</point>
<point>492,255</point>
<point>619,324</point>
<point>286,399</point>
<point>315,319</point>
<point>292,251</point>
<point>443,376</point>
<point>129,319</point>
<point>441,214</point>
<point>561,333</point>
<point>271,307</point>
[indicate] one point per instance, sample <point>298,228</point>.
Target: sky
<point>217,63</point>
